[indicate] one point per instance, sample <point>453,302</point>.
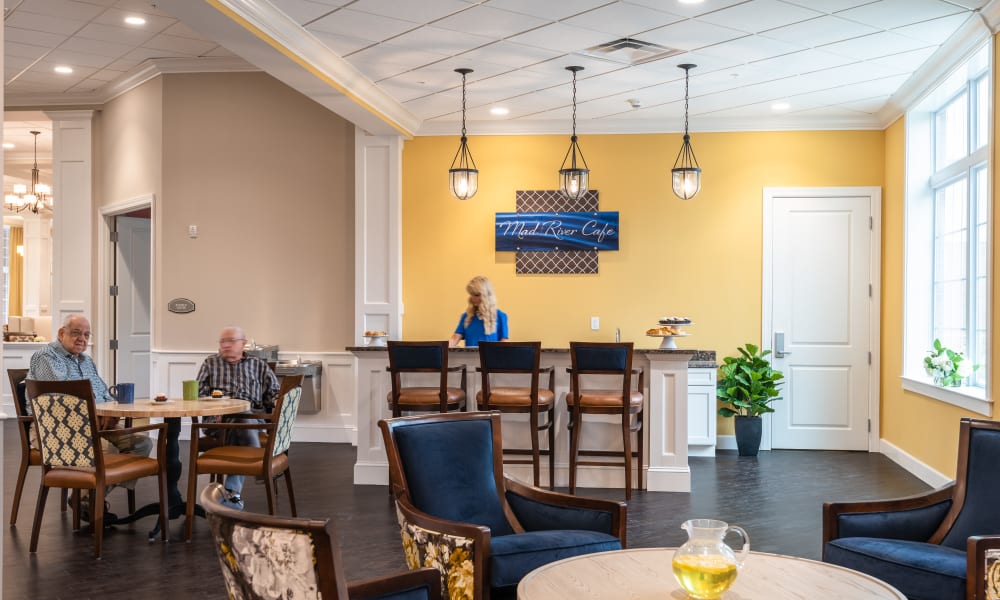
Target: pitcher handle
<point>745,550</point>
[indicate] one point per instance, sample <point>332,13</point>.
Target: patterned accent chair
<point>426,358</point>
<point>943,545</point>
<point>280,557</point>
<point>268,462</point>
<point>521,360</point>
<point>483,531</point>
<point>608,361</point>
<point>71,455</point>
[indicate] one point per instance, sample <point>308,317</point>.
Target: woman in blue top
<point>482,319</point>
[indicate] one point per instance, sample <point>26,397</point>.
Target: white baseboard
<point>725,442</point>
<point>920,469</point>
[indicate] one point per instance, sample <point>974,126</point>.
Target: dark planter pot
<point>748,431</point>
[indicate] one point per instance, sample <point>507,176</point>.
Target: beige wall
<point>267,176</point>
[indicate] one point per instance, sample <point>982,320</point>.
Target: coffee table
<point>646,573</point>
<point>171,412</point>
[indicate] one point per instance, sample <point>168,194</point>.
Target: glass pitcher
<point>705,566</point>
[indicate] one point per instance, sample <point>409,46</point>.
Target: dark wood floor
<point>776,497</point>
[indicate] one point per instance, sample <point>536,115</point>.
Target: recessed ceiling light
<point>135,20</point>
<point>499,111</point>
<point>780,106</point>
<point>8,145</point>
<point>63,69</point>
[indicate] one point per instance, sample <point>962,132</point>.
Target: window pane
<point>982,112</point>
<point>951,131</point>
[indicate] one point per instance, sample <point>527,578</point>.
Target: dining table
<point>171,411</point>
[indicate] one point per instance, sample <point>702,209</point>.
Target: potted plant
<point>747,386</point>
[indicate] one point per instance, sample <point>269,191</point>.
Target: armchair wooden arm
<point>981,583</point>
<point>113,433</point>
<point>378,587</point>
<point>464,370</point>
<point>572,506</point>
<point>832,511</point>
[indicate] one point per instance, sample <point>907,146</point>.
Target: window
<point>947,229</point>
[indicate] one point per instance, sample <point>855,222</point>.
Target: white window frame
<point>921,182</point>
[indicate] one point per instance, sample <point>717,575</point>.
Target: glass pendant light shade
<point>36,198</point>
<point>463,176</point>
<point>685,177</point>
<point>574,175</point>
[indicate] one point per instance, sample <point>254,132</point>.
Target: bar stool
<point>423,357</point>
<point>520,358</point>
<point>608,360</point>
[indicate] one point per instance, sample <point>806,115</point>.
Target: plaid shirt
<point>54,363</point>
<point>247,379</point>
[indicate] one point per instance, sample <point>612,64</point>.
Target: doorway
<point>820,316</point>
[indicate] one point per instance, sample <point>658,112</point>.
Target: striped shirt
<point>247,379</point>
<point>55,363</point>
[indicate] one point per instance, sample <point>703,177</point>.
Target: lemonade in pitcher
<point>705,566</point>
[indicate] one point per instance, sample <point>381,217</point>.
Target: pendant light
<point>686,174</point>
<point>35,199</point>
<point>574,179</point>
<point>463,175</point>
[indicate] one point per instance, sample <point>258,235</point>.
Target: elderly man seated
<point>237,375</point>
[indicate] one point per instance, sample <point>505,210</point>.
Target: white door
<point>132,319</point>
<point>820,307</point>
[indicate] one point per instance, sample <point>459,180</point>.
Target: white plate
<point>211,398</point>
<point>668,334</point>
<point>161,402</point>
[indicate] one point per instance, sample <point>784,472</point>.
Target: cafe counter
<point>675,379</point>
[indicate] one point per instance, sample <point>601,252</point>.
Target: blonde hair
<point>487,309</point>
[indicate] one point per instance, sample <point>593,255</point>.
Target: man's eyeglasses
<point>231,340</point>
<point>76,333</point>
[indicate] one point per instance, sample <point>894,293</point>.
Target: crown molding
<point>133,78</point>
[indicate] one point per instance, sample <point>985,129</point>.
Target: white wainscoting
<point>336,422</point>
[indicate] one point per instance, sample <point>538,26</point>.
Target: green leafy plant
<point>747,383</point>
<point>947,367</point>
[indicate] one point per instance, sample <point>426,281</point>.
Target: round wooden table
<point>171,412</point>
<point>646,573</point>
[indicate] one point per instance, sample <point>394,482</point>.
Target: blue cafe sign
<point>552,232</point>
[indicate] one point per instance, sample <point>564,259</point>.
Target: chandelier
<point>463,175</point>
<point>38,198</point>
<point>686,174</point>
<point>574,177</point>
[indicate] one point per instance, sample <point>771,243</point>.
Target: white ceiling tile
<point>66,9</point>
<point>759,15</point>
<point>828,6</point>
<point>509,54</point>
<point>490,22</point>
<point>108,49</point>
<point>816,32</point>
<point>440,42</point>
<point>845,75</point>
<point>35,38</point>
<point>342,45</point>
<point>180,45</point>
<point>115,34</point>
<point>869,106</point>
<point>751,48</point>
<point>106,75</point>
<point>77,59</point>
<point>302,11</point>
<point>797,63</point>
<point>127,62</point>
<point>561,37</point>
<point>179,29</point>
<point>28,51</point>
<point>219,52</point>
<point>691,35</point>
<point>144,6</point>
<point>854,92</point>
<point>935,31</point>
<point>44,23</point>
<point>383,60</point>
<point>907,62</point>
<point>115,17</point>
<point>623,20</point>
<point>552,10</point>
<point>875,45</point>
<point>889,14</point>
<point>357,24</point>
<point>419,12</point>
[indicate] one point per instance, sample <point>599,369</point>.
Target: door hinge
<point>113,344</point>
<point>113,291</point>
<point>870,290</point>
<point>114,237</point>
<point>871,223</point>
<point>869,425</point>
<point>869,358</point>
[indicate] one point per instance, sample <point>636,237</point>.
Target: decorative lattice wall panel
<point>559,262</point>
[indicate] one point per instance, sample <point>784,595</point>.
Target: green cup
<point>191,389</point>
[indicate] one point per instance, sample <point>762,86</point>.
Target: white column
<point>37,266</point>
<point>668,423</point>
<point>73,213</point>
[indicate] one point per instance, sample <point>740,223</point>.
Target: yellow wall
<point>701,258</point>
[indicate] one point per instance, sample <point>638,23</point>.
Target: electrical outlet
<point>192,231</point>
<point>595,323</point>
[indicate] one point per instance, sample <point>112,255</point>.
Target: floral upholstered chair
<point>943,545</point>
<point>483,531</point>
<point>264,557</point>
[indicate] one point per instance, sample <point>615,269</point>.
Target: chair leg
<point>192,484</point>
<point>552,449</point>
<point>97,518</point>
<point>36,526</point>
<point>575,425</point>
<point>627,453</point>
<point>291,494</point>
<point>269,488</point>
<point>164,500</point>
<point>131,501</point>
<point>535,457</point>
<point>76,509</point>
<point>62,499</point>
<point>21,473</point>
<point>640,449</point>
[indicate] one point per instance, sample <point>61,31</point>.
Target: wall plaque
<point>180,305</point>
<point>556,231</point>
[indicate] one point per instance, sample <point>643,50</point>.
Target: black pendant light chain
<point>687,75</point>
<point>574,107</point>
<point>463,106</point>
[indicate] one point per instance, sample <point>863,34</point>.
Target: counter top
<point>699,358</point>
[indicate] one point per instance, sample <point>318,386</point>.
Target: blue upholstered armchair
<point>944,545</point>
<point>483,531</point>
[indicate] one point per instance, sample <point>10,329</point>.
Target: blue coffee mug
<point>124,393</point>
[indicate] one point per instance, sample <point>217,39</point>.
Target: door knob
<point>779,345</point>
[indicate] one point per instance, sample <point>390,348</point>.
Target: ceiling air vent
<point>630,51</point>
